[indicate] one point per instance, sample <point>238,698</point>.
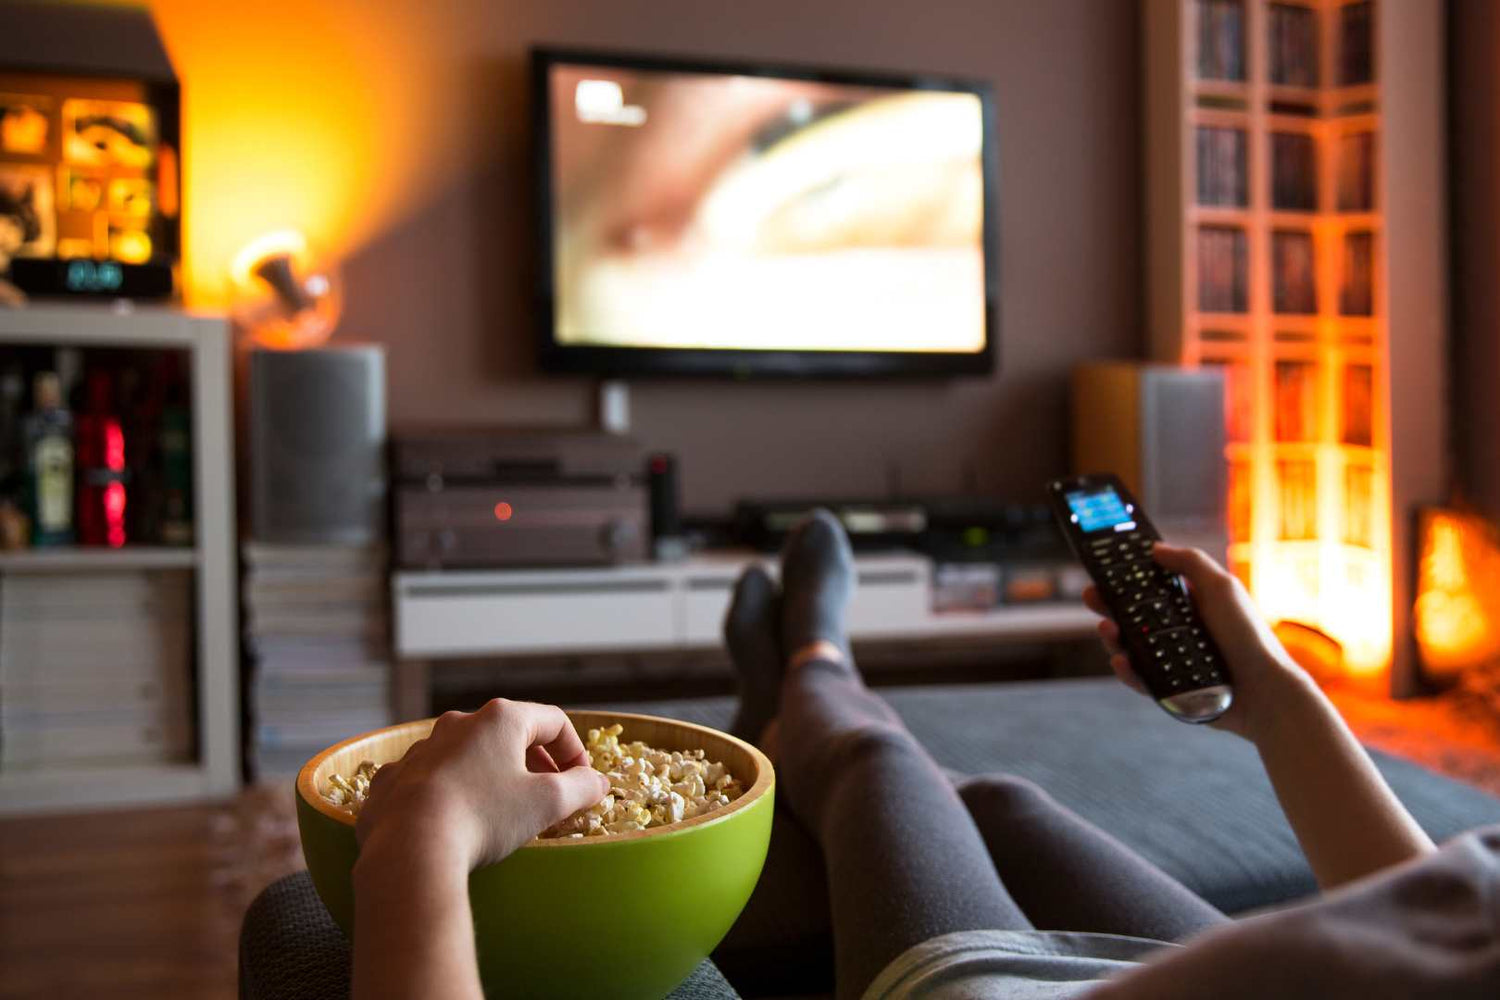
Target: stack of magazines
<point>317,634</point>
<point>94,669</point>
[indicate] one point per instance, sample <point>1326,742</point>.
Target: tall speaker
<point>1161,430</point>
<point>317,445</point>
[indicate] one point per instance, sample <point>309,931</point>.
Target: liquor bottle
<point>49,464</point>
<point>101,466</point>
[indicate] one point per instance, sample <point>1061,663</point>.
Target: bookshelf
<point>202,648</point>
<point>1285,144</point>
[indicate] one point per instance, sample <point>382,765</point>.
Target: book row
<point>1296,392</point>
<point>1297,503</point>
<point>1222,171</point>
<point>1223,260</point>
<point>1218,32</point>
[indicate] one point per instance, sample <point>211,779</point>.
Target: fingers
<point>1120,664</point>
<point>546,726</point>
<point>1094,602</point>
<point>539,761</point>
<point>1195,564</point>
<point>1109,634</point>
<point>566,792</point>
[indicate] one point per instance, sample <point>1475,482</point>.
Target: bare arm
<point>479,787</point>
<point>413,933</point>
<point>1346,818</point>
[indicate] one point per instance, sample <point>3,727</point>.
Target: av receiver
<point>506,498</point>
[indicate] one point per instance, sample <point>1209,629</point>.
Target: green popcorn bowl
<point>626,916</point>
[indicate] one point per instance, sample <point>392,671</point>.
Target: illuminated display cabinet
<point>119,664</point>
<point>1295,225</point>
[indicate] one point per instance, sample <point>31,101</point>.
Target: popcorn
<point>647,787</point>
<point>351,792</point>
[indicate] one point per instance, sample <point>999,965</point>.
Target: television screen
<point>702,217</point>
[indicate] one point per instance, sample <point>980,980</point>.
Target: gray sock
<point>817,582</point>
<point>752,633</point>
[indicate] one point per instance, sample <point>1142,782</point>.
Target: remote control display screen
<point>1099,510</point>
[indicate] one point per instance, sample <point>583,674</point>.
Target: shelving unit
<point>449,615</point>
<point>1309,288</point>
<point>212,766</point>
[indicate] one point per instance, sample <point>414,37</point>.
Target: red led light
<point>502,511</point>
<point>114,514</point>
<point>114,447</point>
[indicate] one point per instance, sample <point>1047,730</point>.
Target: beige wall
<point>410,122</point>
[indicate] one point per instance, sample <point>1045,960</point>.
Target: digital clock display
<point>94,276</point>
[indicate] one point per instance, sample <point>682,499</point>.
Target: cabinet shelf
<point>203,655</point>
<point>80,559</point>
<point>53,789</point>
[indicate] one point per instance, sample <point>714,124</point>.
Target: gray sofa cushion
<point>1194,801</point>
<point>290,949</point>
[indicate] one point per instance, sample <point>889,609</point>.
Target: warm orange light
<point>284,299</point>
<point>283,241</point>
<point>340,118</point>
<point>1457,614</point>
<point>502,511</point>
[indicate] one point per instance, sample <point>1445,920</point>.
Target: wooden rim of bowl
<point>765,774</point>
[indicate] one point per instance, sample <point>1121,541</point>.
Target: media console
<point>456,614</point>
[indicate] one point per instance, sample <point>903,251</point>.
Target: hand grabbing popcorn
<point>647,787</point>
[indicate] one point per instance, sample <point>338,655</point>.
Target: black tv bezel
<point>670,361</point>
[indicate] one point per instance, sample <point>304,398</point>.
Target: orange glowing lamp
<point>1457,614</point>
<point>285,299</point>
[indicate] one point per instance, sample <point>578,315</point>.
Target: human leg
<point>904,861</point>
<point>1068,875</point>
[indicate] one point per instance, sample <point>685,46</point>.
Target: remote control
<point>1166,641</point>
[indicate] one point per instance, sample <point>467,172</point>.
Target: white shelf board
<point>454,614</point>
<point>67,788</point>
<point>1064,619</point>
<point>80,559</point>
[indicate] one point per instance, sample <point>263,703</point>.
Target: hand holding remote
<point>1256,659</point>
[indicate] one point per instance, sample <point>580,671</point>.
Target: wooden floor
<point>147,902</point>
<point>139,902</point>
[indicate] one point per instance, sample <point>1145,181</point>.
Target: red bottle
<point>100,461</point>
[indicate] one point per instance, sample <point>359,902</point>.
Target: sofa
<point>1194,801</point>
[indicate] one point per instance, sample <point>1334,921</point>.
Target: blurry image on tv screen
<point>716,211</point>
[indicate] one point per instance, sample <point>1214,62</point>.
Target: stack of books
<point>317,635</point>
<point>1294,172</point>
<point>1219,26</point>
<point>95,668</point>
<point>1221,166</point>
<point>1223,280</point>
<point>1293,45</point>
<point>1356,44</point>
<point>1294,289</point>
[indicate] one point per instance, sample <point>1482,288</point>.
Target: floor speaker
<point>317,445</point>
<point>1160,429</point>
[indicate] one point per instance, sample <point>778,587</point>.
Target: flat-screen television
<point>703,217</point>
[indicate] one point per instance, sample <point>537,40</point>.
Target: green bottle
<point>49,464</point>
